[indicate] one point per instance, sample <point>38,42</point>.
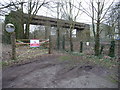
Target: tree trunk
<point>49,50</point>
<point>20,29</point>
<point>46,32</point>
<point>112,49</point>
<point>13,42</point>
<point>81,47</point>
<point>71,43</point>
<point>58,28</point>
<point>97,42</point>
<point>63,43</point>
<point>58,39</point>
<point>93,25</point>
<point>22,22</point>
<point>97,45</point>
<point>27,31</point>
<point>101,50</point>
<point>97,36</point>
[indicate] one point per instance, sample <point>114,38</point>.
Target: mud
<point>50,72</point>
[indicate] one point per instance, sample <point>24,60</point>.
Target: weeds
<point>64,58</point>
<point>113,78</point>
<point>107,62</point>
<point>102,60</point>
<point>23,57</point>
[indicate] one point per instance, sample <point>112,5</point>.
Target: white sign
<point>87,43</point>
<point>10,28</point>
<point>34,43</point>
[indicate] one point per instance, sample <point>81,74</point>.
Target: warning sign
<point>34,43</point>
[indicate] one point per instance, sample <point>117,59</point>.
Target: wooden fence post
<point>13,42</point>
<point>49,52</point>
<point>81,47</point>
<point>63,43</point>
<point>112,49</point>
<point>101,50</point>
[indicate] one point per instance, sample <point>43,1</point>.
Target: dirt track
<point>50,72</point>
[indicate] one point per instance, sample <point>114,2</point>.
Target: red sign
<point>34,43</point>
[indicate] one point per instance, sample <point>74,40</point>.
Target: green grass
<point>100,60</point>
<point>103,61</point>
<point>4,63</point>
<point>22,58</point>
<point>113,79</point>
<point>73,53</point>
<point>64,58</point>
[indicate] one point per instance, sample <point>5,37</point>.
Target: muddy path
<point>51,72</point>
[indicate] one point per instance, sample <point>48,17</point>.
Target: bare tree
<point>58,28</point>
<point>33,8</point>
<point>70,14</point>
<point>8,7</point>
<point>97,14</point>
<point>113,20</point>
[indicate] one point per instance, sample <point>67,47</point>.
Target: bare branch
<point>106,11</point>
<point>11,4</point>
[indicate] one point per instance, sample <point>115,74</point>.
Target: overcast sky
<point>82,17</point>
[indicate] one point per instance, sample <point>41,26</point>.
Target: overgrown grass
<point>64,58</point>
<point>100,60</point>
<point>73,53</point>
<point>23,57</point>
<point>6,63</point>
<point>107,62</point>
<point>113,78</point>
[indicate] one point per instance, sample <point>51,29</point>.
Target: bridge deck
<point>53,22</point>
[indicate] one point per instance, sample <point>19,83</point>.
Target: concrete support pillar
<point>47,31</point>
